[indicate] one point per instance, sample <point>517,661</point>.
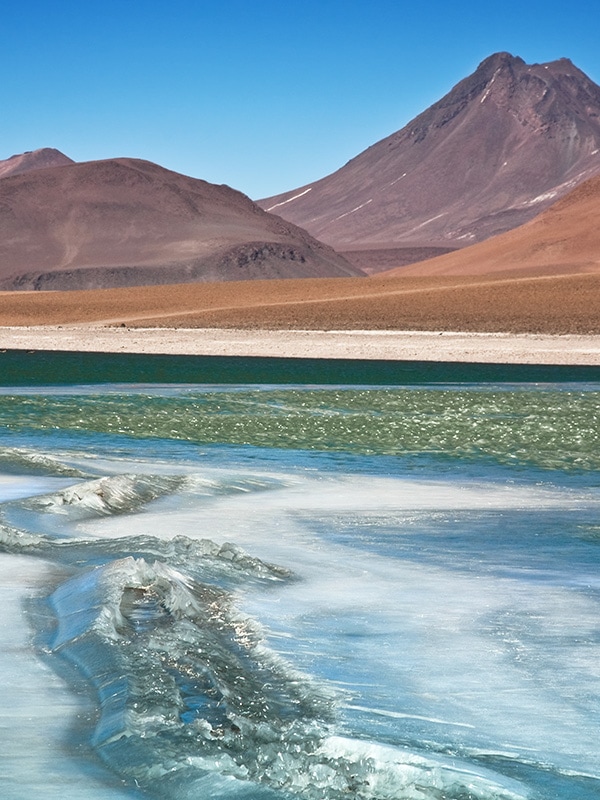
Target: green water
<point>40,368</point>
<point>549,427</point>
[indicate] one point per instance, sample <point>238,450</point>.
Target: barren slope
<point>541,278</point>
<point>127,222</point>
<point>561,304</point>
<point>564,239</point>
<point>501,146</point>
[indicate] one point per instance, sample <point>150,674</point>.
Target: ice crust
<point>186,686</point>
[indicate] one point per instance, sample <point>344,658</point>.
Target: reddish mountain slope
<point>125,222</point>
<point>563,240</point>
<point>490,155</point>
<point>33,159</point>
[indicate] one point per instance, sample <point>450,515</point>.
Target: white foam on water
<point>434,653</point>
<point>286,741</point>
<point>236,515</point>
<point>108,495</point>
<point>493,657</point>
<point>398,773</point>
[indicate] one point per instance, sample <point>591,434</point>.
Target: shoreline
<point>466,347</point>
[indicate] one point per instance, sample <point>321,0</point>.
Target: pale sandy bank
<point>389,345</point>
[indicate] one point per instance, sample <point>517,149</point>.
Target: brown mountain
<point>563,240</point>
<point>505,143</point>
<point>543,277</point>
<point>33,159</point>
<point>125,222</point>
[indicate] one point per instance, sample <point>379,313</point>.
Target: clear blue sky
<point>263,95</point>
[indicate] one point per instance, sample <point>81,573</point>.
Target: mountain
<point>495,151</point>
<point>126,222</point>
<point>562,240</point>
<point>33,159</point>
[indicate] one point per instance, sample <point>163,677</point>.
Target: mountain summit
<point>503,144</point>
<point>33,159</point>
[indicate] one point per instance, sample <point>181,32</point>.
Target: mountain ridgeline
<point>490,156</point>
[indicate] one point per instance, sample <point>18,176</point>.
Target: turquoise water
<point>47,368</point>
<point>215,591</point>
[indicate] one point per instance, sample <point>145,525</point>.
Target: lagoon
<point>278,591</point>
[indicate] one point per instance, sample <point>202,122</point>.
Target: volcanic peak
<point>505,142</point>
<point>527,91</point>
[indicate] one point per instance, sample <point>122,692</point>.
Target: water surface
<point>301,591</point>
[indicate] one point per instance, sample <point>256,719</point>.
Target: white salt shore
<point>390,345</point>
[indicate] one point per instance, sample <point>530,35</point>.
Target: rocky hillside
<point>506,142</point>
<point>126,222</point>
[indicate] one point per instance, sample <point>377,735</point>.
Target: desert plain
<point>529,295</point>
<point>496,317</point>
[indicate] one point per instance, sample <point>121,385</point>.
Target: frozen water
<point>188,620</point>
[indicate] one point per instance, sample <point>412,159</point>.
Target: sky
<point>263,95</point>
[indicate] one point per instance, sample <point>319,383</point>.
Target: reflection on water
<point>318,593</point>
